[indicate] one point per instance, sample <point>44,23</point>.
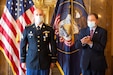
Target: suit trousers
<point>37,72</point>
<point>91,72</point>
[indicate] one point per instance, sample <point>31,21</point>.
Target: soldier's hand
<point>52,65</point>
<point>23,65</point>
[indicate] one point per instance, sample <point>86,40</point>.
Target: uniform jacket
<point>93,57</point>
<point>38,47</point>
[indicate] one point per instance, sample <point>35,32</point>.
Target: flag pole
<point>71,11</point>
<point>71,8</point>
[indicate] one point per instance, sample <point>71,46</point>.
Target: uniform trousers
<point>91,72</point>
<point>37,72</point>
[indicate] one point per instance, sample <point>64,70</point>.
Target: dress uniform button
<point>38,45</point>
<point>38,49</point>
<point>38,36</point>
<point>38,41</point>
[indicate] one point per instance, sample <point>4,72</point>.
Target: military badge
<point>44,37</point>
<point>46,33</point>
<point>30,34</point>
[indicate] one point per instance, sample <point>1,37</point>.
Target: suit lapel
<point>95,32</point>
<point>88,31</point>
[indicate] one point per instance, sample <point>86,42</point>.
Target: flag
<point>17,14</point>
<point>68,18</point>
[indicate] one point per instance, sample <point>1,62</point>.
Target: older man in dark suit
<point>39,37</point>
<point>92,41</point>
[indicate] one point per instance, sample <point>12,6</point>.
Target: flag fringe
<point>59,67</point>
<point>1,49</point>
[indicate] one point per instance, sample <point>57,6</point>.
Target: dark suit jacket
<point>93,58</point>
<point>38,43</point>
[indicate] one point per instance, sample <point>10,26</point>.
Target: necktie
<point>91,33</point>
<point>38,30</point>
<point>38,27</point>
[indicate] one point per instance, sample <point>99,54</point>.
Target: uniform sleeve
<point>23,45</point>
<point>53,47</point>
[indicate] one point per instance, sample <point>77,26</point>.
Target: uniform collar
<point>39,25</point>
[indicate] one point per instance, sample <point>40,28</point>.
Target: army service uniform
<point>38,48</point>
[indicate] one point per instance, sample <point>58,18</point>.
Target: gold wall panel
<point>104,11</point>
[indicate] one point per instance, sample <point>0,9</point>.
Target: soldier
<point>38,38</point>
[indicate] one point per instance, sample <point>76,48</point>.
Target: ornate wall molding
<point>48,7</point>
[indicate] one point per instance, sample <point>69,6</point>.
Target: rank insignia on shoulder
<point>33,26</point>
<point>29,25</point>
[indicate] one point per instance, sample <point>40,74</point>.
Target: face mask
<point>91,24</point>
<point>38,19</point>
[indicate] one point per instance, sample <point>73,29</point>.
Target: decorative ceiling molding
<point>45,3</point>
